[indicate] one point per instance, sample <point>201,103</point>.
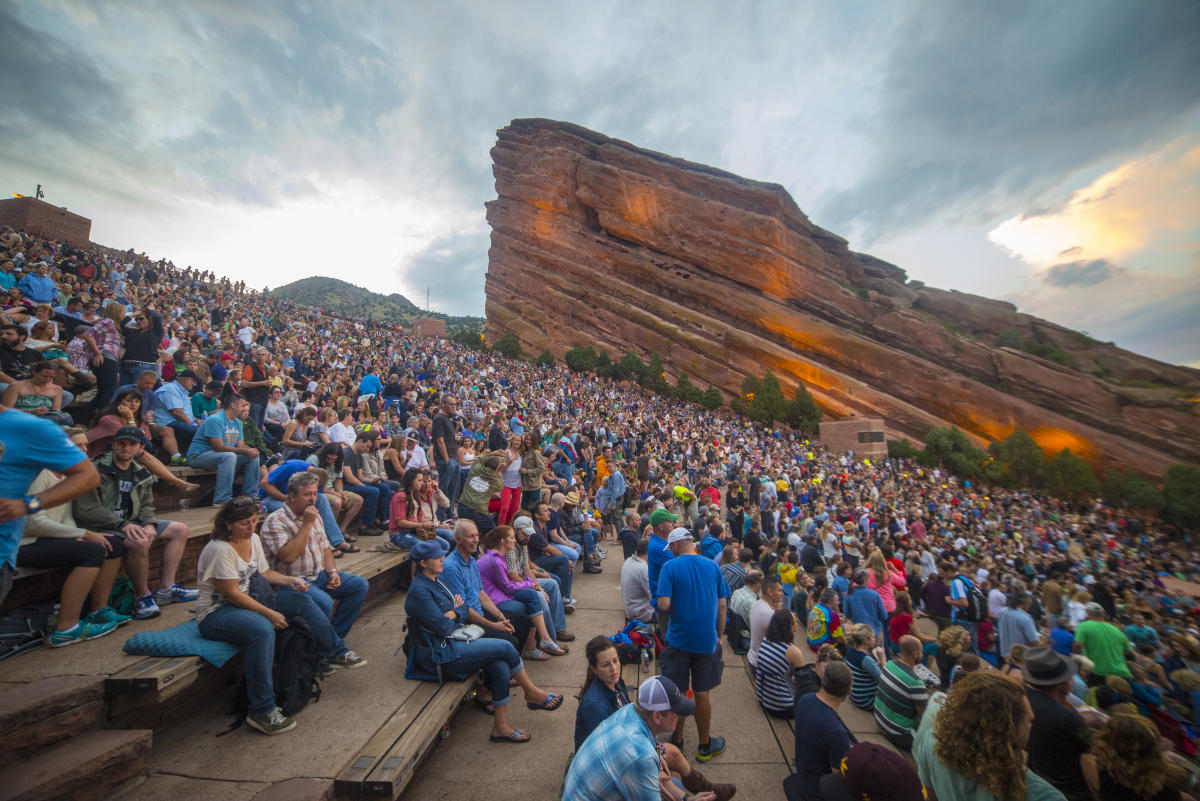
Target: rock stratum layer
<point>598,242</point>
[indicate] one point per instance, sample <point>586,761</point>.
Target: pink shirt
<point>887,590</point>
<point>493,574</point>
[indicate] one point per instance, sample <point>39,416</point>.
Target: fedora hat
<point>1044,667</point>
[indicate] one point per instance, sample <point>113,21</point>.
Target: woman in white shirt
<point>226,611</point>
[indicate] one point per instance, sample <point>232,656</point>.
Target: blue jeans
<point>560,568</point>
<point>332,530</point>
<point>449,484</point>
<point>258,413</point>
<point>256,635</point>
<point>370,508</point>
<point>531,599</point>
<point>131,370</point>
<point>570,551</point>
<point>226,464</point>
<point>385,501</point>
<point>184,433</point>
<point>329,642</point>
<point>406,539</point>
<point>350,595</point>
<point>554,608</point>
<point>586,541</point>
<point>498,659</point>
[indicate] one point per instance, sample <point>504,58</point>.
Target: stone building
<point>45,220</point>
<point>429,327</point>
<point>863,435</point>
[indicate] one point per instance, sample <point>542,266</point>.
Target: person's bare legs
<point>676,761</point>
<point>74,592</point>
<point>137,565</point>
<point>102,589</point>
<point>539,623</point>
<point>169,443</point>
<point>155,466</point>
<point>703,715</point>
<point>533,693</point>
<point>174,539</point>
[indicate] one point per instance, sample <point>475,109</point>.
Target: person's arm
<point>1091,773</point>
<point>348,476</point>
<point>722,604</point>
<point>291,550</point>
<point>272,491</point>
<point>232,593</point>
<point>77,480</point>
<point>9,398</point>
<point>497,621</point>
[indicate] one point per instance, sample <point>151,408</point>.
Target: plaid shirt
<point>279,527</point>
<point>518,559</point>
<point>617,762</point>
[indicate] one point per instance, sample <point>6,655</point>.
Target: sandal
<point>535,655</point>
<point>554,649</point>
<point>349,539</point>
<point>551,703</point>
<point>517,736</point>
<point>485,706</point>
<point>346,547</point>
<point>338,553</point>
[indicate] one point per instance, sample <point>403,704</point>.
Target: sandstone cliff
<point>597,242</point>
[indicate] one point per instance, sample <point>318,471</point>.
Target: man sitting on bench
<point>123,506</point>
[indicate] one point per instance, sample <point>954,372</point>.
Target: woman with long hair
<point>533,468</point>
<point>345,505</point>
<point>778,656</point>
<point>1127,762</point>
<point>970,745</point>
<point>866,661</point>
<point>904,622</point>
<point>952,642</point>
<point>409,520</point>
<point>510,490</point>
<point>884,579</point>
<point>511,596</point>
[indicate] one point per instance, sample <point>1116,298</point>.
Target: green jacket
<point>481,484</point>
<point>535,463</point>
<point>95,510</point>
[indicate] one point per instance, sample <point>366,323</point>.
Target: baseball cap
<point>678,535</point>
<point>524,524</point>
<point>872,772</point>
<point>1094,608</point>
<point>659,694</point>
<point>662,516</point>
<point>131,433</point>
<point>187,374</point>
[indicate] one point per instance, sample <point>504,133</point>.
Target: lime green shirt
<point>1105,645</point>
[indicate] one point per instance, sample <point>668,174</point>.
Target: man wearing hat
<point>870,771</point>
<point>123,506</point>
<point>657,555</point>
<point>172,406</point>
<point>692,595</point>
<point>620,759</point>
<point>1059,736</point>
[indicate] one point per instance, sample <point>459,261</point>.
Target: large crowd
<point>1014,645</point>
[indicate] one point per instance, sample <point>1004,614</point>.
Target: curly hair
<point>1128,749</point>
<point>953,640</point>
<point>992,754</point>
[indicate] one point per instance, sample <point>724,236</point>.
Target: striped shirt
<point>281,526</point>
<point>865,671</point>
<point>898,699</point>
<point>773,676</point>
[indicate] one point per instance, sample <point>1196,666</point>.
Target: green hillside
<point>354,301</point>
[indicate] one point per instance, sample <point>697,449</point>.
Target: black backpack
<point>297,666</point>
<point>24,629</point>
<point>976,610</point>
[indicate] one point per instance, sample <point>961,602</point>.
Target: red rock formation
<point>597,242</point>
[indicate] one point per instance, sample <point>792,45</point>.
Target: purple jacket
<point>493,573</point>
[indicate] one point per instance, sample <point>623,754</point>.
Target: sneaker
<point>568,609</point>
<point>179,461</point>
<point>108,615</point>
<point>324,669</point>
<point>145,608</point>
<point>83,631</point>
<point>347,660</point>
<point>568,601</point>
<point>175,594</point>
<point>716,745</point>
<point>564,636</point>
<point>272,722</point>
<point>592,567</point>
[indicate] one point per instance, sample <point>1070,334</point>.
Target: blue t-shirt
<point>216,425</point>
<point>280,476</point>
<point>370,385</point>
<point>1062,640</point>
<point>711,547</point>
<point>821,742</point>
<point>694,584</point>
<point>657,555</point>
<point>27,445</point>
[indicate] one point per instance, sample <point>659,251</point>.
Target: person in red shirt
<point>904,622</point>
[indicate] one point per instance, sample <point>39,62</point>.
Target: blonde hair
<point>1127,749</point>
<point>860,633</point>
<point>992,755</point>
<point>954,640</point>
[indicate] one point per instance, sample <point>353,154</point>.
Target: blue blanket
<point>182,640</point>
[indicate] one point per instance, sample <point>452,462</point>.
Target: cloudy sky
<point>1045,153</point>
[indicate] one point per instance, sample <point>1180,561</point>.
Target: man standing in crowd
<point>123,505</point>
<point>1016,624</point>
<point>445,453</point>
<point>1059,736</point>
<point>295,543</point>
<point>762,611</point>
<point>1104,644</point>
<point>692,594</point>
<point>220,445</point>
<point>635,585</point>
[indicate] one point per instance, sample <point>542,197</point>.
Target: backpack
<point>24,629</point>
<point>297,665</point>
<point>121,599</point>
<point>976,609</point>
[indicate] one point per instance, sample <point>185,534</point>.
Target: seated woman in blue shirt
<point>437,612</point>
<point>864,605</point>
<point>604,692</point>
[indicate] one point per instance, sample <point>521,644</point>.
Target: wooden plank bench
<point>383,767</point>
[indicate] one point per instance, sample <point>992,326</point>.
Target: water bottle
<point>645,659</point>
<point>445,735</point>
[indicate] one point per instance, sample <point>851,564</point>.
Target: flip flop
<point>349,549</point>
<point>349,539</point>
<point>517,737</point>
<point>485,706</point>
<point>551,703</point>
<point>552,649</point>
<point>338,553</point>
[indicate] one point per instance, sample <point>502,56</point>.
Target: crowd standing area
<point>1008,646</point>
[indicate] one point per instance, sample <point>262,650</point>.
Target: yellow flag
<point>16,195</point>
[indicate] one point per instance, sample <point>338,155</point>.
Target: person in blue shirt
<point>370,385</point>
<point>693,595</point>
<point>603,692</point>
<point>658,555</point>
<point>712,545</point>
<point>864,605</point>
<point>29,444</point>
<point>172,407</point>
<point>38,286</point>
<point>73,308</point>
<point>1139,633</point>
<point>273,491</point>
<point>219,445</point>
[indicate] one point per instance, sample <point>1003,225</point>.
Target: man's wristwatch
<point>32,504</point>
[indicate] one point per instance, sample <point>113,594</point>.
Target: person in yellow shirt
<point>687,501</point>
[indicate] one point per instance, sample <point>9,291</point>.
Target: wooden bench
<point>383,767</point>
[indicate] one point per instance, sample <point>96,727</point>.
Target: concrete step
<point>47,711</point>
<point>84,768</point>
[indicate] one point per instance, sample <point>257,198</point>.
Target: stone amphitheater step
<point>84,768</point>
<point>45,712</point>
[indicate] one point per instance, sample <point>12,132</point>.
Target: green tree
<point>509,346</point>
<point>1181,497</point>
<point>630,367</point>
<point>1022,462</point>
<point>603,364</point>
<point>546,358</point>
<point>803,413</point>
<point>711,398</point>
<point>952,449</point>
<point>654,377</point>
<point>769,404</point>
<point>751,386</point>
<point>1068,477</point>
<point>581,360</point>
<point>901,449</point>
<point>685,390</point>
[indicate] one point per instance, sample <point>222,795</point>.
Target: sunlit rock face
<point>597,242</point>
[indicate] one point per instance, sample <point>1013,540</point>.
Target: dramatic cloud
<point>1080,273</point>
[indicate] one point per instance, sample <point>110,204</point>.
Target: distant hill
<point>354,301</point>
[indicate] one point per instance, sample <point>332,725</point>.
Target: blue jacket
<point>863,605</point>
<point>425,605</point>
<point>597,704</point>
